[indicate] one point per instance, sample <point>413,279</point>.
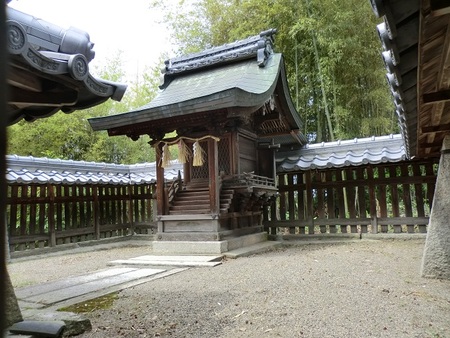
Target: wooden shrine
<point>230,108</point>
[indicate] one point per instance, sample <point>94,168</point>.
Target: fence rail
<point>48,215</point>
<point>377,198</point>
<point>386,198</point>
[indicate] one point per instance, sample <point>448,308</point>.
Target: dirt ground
<point>368,288</point>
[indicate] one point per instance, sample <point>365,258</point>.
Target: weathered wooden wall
<point>48,215</point>
<point>387,198</point>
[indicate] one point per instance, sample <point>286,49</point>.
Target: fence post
<point>130,209</point>
<point>96,212</point>
<point>273,216</point>
<point>309,202</point>
<point>372,200</point>
<point>51,216</point>
<point>375,224</point>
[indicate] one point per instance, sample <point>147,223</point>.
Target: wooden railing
<point>249,180</point>
<point>48,215</point>
<point>170,192</point>
<point>386,198</point>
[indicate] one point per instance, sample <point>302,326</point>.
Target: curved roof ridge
<point>260,45</point>
<point>34,170</point>
<point>370,150</point>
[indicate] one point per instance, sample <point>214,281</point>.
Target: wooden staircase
<point>194,199</point>
<point>226,198</point>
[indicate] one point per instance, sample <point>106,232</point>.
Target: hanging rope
<point>165,160</point>
<point>184,152</point>
<point>199,154</point>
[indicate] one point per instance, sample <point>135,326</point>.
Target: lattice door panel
<point>224,156</point>
<point>202,171</point>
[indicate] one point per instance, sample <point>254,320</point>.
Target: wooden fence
<point>48,215</point>
<point>387,198</point>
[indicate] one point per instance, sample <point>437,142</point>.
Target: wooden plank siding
<point>384,198</point>
<point>48,215</point>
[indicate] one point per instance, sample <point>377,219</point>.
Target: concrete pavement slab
<point>164,260</point>
<point>253,249</point>
<point>27,292</point>
<point>82,287</point>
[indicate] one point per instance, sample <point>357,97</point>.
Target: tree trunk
<point>12,311</point>
<point>322,84</point>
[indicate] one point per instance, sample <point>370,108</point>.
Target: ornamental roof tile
<point>221,84</point>
<point>33,170</point>
<point>49,69</point>
<point>373,150</point>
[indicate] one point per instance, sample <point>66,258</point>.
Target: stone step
<point>190,212</point>
<point>253,249</point>
<point>190,202</point>
<point>193,193</point>
<point>201,206</point>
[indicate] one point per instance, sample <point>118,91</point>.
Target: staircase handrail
<point>249,180</point>
<point>174,187</point>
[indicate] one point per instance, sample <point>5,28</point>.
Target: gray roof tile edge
<point>373,150</point>
<point>34,170</point>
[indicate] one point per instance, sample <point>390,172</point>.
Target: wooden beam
<point>441,128</point>
<point>443,95</point>
<point>439,7</point>
<point>260,119</point>
<point>294,134</point>
<point>25,80</point>
<point>49,99</point>
<point>431,144</point>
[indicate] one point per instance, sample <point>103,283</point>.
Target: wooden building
<point>49,70</point>
<point>416,46</point>
<point>230,108</point>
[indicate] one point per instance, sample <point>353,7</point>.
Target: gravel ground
<point>352,289</point>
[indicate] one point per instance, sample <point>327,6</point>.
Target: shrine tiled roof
<point>415,39</point>
<point>33,170</point>
<point>234,80</point>
<point>49,70</point>
<point>359,151</point>
<point>237,84</point>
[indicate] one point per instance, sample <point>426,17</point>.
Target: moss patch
<point>100,303</point>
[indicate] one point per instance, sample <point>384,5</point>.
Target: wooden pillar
<point>309,202</point>
<point>291,201</point>
<point>419,197</point>
<point>382,197</point>
<point>159,181</point>
<point>213,168</point>
<point>130,209</point>
<point>372,200</point>
<point>394,197</point>
<point>407,197</point>
<point>51,216</point>
<point>301,200</point>
<point>234,153</point>
<point>187,172</point>
<point>330,202</point>
<point>96,211</point>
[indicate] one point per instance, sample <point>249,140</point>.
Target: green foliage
<point>348,51</point>
<point>329,47</point>
<point>69,136</point>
